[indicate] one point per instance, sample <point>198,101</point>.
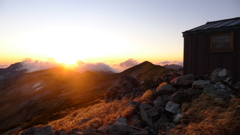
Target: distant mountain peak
<point>146,63</point>
<point>173,66</point>
<point>11,71</point>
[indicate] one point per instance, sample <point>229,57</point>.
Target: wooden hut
<point>213,45</point>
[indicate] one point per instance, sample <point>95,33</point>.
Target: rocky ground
<point>173,104</point>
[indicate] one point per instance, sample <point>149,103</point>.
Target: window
<point>221,42</point>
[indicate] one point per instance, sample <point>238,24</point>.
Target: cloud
<point>35,65</point>
<point>4,66</point>
<point>170,62</point>
<point>126,64</point>
<point>99,67</point>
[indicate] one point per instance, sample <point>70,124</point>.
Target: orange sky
<point>102,31</point>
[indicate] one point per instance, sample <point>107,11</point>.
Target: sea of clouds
<point>80,66</point>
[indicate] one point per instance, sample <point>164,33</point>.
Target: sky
<point>107,31</point>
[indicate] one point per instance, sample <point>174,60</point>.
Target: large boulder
<point>172,107</point>
<point>221,75</point>
<point>200,83</point>
<point>219,92</point>
<point>150,83</point>
<point>183,80</point>
<point>178,97</point>
<point>159,102</point>
<point>124,86</point>
<point>165,89</point>
<point>143,110</point>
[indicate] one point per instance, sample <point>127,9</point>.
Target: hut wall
<point>199,60</point>
<point>237,46</point>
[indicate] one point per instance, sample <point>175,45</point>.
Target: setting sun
<point>66,60</point>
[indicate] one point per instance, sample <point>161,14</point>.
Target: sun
<point>66,60</point>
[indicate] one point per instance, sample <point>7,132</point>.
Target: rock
<point>138,94</point>
<point>73,132</point>
<point>178,97</point>
<point>172,107</point>
<point>192,91</point>
<point>104,128</point>
<point>149,84</point>
<point>133,103</point>
<point>183,80</point>
<point>83,121</point>
<point>124,129</point>
<point>221,75</point>
<point>143,110</point>
<point>145,106</point>
<point>177,117</point>
<point>144,132</point>
<point>92,132</point>
<point>154,111</point>
<point>60,132</point>
<point>138,123</point>
<point>169,77</point>
<point>166,98</point>
<point>200,83</point>
<point>162,122</point>
<point>237,86</point>
<point>128,95</point>
<point>121,120</point>
<point>165,88</point>
<point>158,102</point>
<point>47,130</point>
<point>219,92</point>
<point>124,86</point>
<point>30,131</point>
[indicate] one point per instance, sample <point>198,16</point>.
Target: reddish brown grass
<point>204,116</point>
<point>99,114</point>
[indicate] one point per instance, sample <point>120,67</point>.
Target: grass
<point>205,116</point>
<point>98,115</point>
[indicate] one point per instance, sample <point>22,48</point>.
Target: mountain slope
<point>11,71</point>
<point>146,70</point>
<point>35,98</point>
<point>29,95</point>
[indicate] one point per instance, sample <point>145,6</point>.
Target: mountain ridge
<point>51,90</point>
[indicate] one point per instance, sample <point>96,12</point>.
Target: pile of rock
<point>161,112</point>
<point>125,86</point>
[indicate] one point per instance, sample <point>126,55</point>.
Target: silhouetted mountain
<point>146,70</point>
<point>11,71</point>
<point>173,66</point>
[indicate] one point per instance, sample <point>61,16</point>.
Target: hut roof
<point>233,23</point>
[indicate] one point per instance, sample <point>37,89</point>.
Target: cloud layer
<point>99,67</point>
<point>126,64</point>
<point>4,66</point>
<point>35,65</point>
<point>163,63</point>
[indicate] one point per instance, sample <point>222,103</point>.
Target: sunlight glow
<point>67,45</point>
<point>66,60</point>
